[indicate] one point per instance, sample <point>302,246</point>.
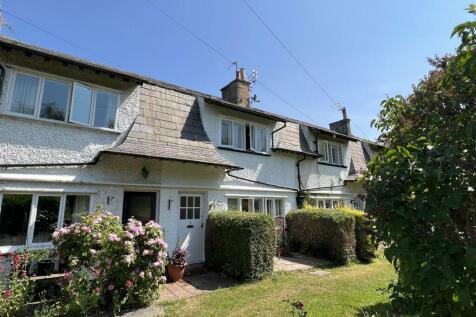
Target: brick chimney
<point>342,126</point>
<point>238,90</point>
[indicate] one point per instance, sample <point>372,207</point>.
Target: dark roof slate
<point>169,126</point>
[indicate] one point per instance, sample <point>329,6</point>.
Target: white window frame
<point>71,83</point>
<point>187,195</point>
<point>33,212</point>
<point>254,138</point>
<point>252,135</point>
<point>264,200</point>
<point>328,155</point>
<point>333,201</point>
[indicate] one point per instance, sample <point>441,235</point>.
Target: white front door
<point>191,217</point>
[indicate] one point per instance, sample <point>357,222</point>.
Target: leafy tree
<point>421,187</point>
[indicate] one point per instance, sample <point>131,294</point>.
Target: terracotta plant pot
<point>175,272</point>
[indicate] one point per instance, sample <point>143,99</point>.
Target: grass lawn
<point>345,291</point>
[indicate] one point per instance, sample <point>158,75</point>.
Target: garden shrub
<point>322,232</point>
<point>241,244</point>
<point>421,186</point>
<point>365,241</point>
<point>123,266</point>
<point>15,287</point>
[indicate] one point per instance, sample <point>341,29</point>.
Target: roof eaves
<point>310,154</point>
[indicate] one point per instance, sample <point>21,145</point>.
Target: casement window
<point>190,206</point>
<point>30,219</point>
<point>270,206</point>
<point>258,139</point>
<point>331,153</point>
<point>55,99</point>
<point>243,136</point>
<point>327,203</point>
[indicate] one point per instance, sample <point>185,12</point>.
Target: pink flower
<point>129,284</point>
<point>141,274</point>
<point>98,290</point>
<point>97,236</point>
<point>147,252</point>
<point>92,251</point>
<point>163,279</point>
<point>86,229</point>
<point>157,263</point>
<point>128,259</point>
<point>129,235</point>
<point>68,276</point>
<point>113,237</point>
<point>7,293</point>
<point>151,242</point>
<point>110,287</point>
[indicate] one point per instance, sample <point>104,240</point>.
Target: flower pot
<point>282,251</point>
<point>45,267</point>
<point>175,272</point>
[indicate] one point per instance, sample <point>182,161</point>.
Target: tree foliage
<point>421,186</point>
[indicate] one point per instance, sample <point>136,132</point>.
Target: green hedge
<point>366,246</point>
<point>241,244</point>
<point>322,232</point>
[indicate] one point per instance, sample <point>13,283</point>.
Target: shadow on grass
<point>378,310</point>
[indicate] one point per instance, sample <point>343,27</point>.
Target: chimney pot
<point>342,126</point>
<point>238,90</point>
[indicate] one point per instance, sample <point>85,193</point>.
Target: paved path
<point>195,284</point>
<point>298,262</point>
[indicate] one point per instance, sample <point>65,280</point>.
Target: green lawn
<point>346,291</point>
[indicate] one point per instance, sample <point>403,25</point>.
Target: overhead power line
<point>306,71</point>
<point>195,35</point>
<point>298,62</point>
<point>226,58</point>
<point>54,35</point>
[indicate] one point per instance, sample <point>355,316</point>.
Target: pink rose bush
<point>15,288</point>
<point>126,263</point>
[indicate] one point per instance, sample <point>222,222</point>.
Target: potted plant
<point>40,262</point>
<point>176,265</point>
<point>283,248</point>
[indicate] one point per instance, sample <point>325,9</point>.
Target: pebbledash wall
<point>24,140</point>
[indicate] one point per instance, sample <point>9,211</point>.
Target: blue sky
<point>360,51</point>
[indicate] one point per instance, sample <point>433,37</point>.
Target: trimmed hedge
<point>241,244</point>
<point>366,245</point>
<point>323,232</point>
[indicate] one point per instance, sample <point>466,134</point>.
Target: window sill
<point>330,164</point>
<point>59,123</point>
<point>242,151</point>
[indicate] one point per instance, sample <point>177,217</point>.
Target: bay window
<point>55,99</point>
<point>30,219</point>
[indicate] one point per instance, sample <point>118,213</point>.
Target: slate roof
<point>178,135</point>
<point>291,139</point>
<point>169,127</point>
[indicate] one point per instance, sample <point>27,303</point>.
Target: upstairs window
<point>243,136</point>
<point>81,105</point>
<point>55,100</point>
<point>60,100</point>
<point>25,94</point>
<point>331,153</point>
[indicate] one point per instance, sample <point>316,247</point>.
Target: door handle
<point>190,226</point>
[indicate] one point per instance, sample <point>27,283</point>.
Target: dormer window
<point>332,153</point>
<point>243,136</point>
<point>61,100</point>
